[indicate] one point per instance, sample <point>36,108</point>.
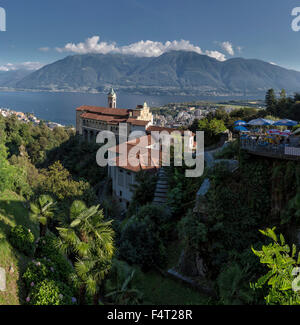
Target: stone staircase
<point>160,196</point>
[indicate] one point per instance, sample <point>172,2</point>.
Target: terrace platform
<point>280,151</point>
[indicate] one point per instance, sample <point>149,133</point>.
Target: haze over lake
<point>60,107</point>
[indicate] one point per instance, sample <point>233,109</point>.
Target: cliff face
<point>262,193</point>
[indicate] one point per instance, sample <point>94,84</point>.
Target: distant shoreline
<point>139,92</point>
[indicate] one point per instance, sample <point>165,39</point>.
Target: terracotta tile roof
<point>147,161</point>
<point>91,116</point>
<point>104,110</point>
<point>134,121</point>
<point>104,118</point>
<point>169,130</point>
<point>160,129</point>
<point>138,142</point>
<point>117,121</point>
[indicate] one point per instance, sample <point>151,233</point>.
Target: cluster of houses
<point>184,117</point>
<point>26,117</point>
<point>145,148</point>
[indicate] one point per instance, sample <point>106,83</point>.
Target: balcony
<point>265,149</point>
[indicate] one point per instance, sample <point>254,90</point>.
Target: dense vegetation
<point>71,250</point>
<point>68,250</point>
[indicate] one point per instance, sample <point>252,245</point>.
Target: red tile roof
<point>146,160</point>
<point>104,110</point>
<point>134,121</point>
<point>160,129</point>
<point>104,118</point>
<point>91,116</point>
<point>169,130</point>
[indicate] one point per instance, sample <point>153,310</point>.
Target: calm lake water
<point>60,107</point>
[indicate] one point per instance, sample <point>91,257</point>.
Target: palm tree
<point>233,287</point>
<point>90,239</point>
<point>42,211</point>
<point>125,294</point>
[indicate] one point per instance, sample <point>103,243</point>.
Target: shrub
<point>229,152</point>
<point>50,293</point>
<point>22,239</point>
<point>46,248</point>
<point>38,271</point>
<point>141,245</point>
<point>159,215</point>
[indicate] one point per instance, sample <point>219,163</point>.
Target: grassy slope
<point>159,290</point>
<point>12,213</point>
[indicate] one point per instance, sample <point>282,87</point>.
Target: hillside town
<point>183,114</point>
<point>27,118</point>
<point>149,158</point>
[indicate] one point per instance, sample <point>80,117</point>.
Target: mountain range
<point>10,78</point>
<point>175,72</point>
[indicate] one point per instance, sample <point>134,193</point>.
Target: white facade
<point>122,181</point>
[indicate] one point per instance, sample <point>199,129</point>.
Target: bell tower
<point>112,99</point>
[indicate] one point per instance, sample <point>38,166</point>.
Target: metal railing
<point>267,149</point>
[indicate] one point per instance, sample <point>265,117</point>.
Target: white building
<point>124,173</point>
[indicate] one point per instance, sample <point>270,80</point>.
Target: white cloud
<point>91,45</point>
<point>23,65</point>
<point>227,47</point>
<point>150,48</point>
<point>216,54</point>
<point>141,48</point>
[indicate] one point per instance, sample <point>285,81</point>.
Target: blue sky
<point>38,31</point>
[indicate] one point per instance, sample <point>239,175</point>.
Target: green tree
<point>42,210</point>
<point>212,129</point>
<point>58,181</point>
<point>280,259</point>
<point>233,286</point>
<point>121,285</point>
<point>271,102</point>
<point>89,238</point>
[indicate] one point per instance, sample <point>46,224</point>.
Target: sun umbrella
<point>260,122</point>
<point>241,129</point>
<point>286,132</point>
<point>274,131</point>
<point>286,122</point>
<point>239,123</point>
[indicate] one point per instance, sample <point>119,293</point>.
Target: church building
<point>90,120</point>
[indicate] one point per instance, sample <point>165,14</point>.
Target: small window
<point>121,193</point>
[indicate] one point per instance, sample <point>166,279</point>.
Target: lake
<point>60,107</point>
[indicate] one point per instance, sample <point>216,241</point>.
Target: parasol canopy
<point>241,129</point>
<point>286,122</point>
<point>240,123</point>
<point>260,122</point>
<point>274,132</point>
